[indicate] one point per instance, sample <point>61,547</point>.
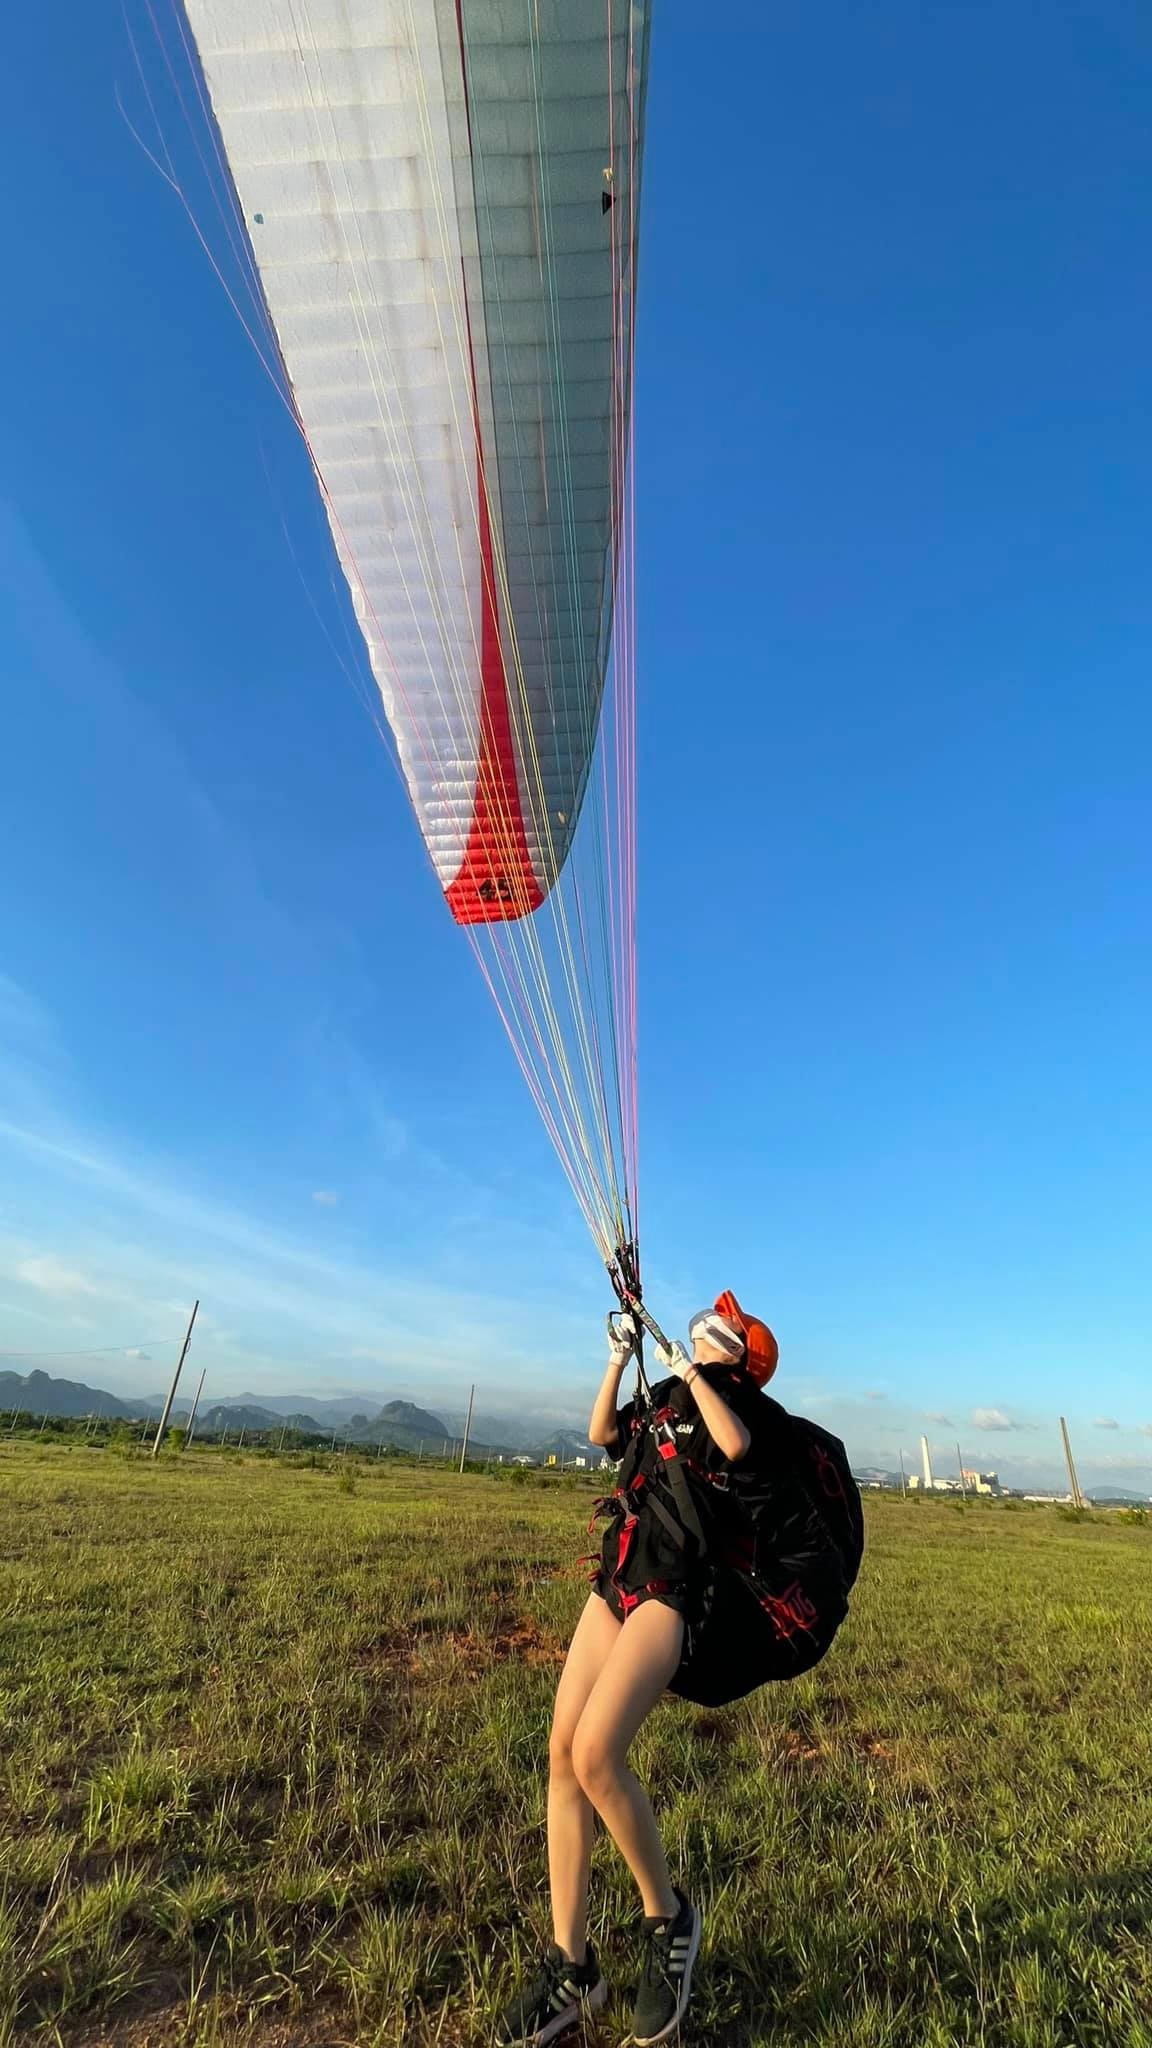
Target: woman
<point>649,1594</point>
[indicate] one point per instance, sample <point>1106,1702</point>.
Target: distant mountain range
<point>519,1431</point>
<point>328,1413</point>
<point>397,1422</point>
<point>362,1419</point>
<point>42,1395</point>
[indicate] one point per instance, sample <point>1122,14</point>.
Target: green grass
<point>272,1771</point>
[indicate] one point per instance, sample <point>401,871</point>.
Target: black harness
<point>773,1606</point>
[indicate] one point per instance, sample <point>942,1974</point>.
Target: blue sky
<point>895,628</point>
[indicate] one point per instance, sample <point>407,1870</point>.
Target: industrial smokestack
<point>927,1462</point>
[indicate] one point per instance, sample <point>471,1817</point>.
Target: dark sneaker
<point>554,2001</point>
<point>666,1979</point>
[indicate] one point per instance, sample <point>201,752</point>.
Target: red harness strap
<point>627,1533</point>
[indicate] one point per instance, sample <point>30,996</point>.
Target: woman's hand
<point>621,1339</point>
<point>676,1361</point>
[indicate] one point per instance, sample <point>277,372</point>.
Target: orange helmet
<point>763,1352</point>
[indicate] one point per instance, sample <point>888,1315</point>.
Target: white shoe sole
<point>666,2033</point>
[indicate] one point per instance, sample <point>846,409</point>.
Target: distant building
<point>983,1482</point>
<point>581,1464</point>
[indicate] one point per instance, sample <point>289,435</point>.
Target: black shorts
<point>639,1561</point>
<point>622,1603</point>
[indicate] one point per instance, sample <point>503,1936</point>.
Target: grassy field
<point>272,1770</point>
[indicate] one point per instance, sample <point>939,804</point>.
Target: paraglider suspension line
<point>624,1273</point>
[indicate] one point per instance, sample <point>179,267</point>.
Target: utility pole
<point>467,1424</point>
<point>195,1405</point>
<point>1077,1496</point>
<point>960,1469</point>
<point>903,1481</point>
<point>175,1380</point>
<point>240,1445</point>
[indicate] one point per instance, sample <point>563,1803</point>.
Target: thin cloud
<point>1105,1422</point>
<point>991,1418</point>
<point>50,1275</point>
<point>325,1198</point>
<point>875,1394</point>
<point>934,1415</point>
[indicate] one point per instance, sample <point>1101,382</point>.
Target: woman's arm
<point>602,1428</point>
<point>730,1436</point>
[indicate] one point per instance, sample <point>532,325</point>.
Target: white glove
<point>675,1361</point>
<point>621,1339</point>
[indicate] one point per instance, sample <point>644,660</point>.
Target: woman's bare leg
<point>635,1673</point>
<point>571,1820</point>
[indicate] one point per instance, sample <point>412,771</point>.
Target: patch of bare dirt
<point>714,1728</point>
<point>511,1640</point>
<point>808,1748</point>
<point>391,1653</point>
<point>504,1637</point>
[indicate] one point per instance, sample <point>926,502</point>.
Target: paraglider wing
<point>441,197</point>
